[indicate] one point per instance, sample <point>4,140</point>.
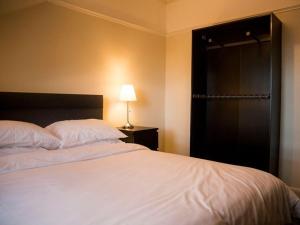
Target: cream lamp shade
<point>127,93</point>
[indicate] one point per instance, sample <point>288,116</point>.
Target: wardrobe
<point>235,105</point>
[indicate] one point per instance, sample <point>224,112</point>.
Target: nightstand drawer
<point>146,136</point>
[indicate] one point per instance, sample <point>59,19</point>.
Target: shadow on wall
<point>173,145</point>
<point>288,146</point>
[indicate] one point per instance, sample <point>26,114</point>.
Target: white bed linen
<point>130,185</point>
<point>18,150</point>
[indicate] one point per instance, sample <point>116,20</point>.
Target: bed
<point>117,183</point>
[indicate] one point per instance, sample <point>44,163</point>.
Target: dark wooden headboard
<point>44,109</point>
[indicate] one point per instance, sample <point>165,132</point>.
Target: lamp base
<point>128,126</point>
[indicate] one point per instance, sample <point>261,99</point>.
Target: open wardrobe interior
<point>236,76</point>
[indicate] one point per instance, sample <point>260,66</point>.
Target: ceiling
<point>10,5</point>
<point>146,13</point>
<point>161,16</point>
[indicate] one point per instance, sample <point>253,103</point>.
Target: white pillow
<point>78,132</point>
<point>23,134</point>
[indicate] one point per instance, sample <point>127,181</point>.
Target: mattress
<point>129,184</point>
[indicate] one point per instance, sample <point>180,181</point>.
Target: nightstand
<point>147,136</point>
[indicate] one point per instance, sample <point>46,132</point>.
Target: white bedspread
<point>127,184</point>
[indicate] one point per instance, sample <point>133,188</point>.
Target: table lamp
<point>127,94</point>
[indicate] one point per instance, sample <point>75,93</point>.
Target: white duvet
<point>127,184</point>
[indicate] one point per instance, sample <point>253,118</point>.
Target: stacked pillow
<point>23,134</point>
<point>79,132</point>
<point>62,134</point>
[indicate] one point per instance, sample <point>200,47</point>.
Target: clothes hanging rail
<point>238,43</point>
<point>199,96</point>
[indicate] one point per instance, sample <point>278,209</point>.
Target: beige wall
<point>177,99</point>
<point>47,48</point>
<point>178,93</point>
<point>182,14</point>
<point>290,117</point>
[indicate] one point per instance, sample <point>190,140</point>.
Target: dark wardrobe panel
<point>223,70</point>
<point>236,93</point>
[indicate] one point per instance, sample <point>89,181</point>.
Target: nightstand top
<point>137,128</point>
